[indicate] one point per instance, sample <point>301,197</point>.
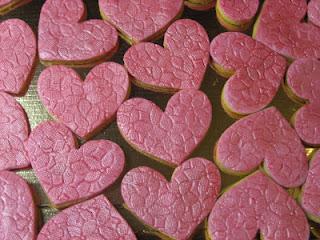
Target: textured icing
<point>140,20</point>
<point>64,38</point>
<point>257,71</point>
<point>174,208</point>
<point>84,106</point>
<point>264,137</point>
<point>68,174</point>
<point>14,132</point>
<point>279,27</point>
<point>180,65</point>
<point>239,10</point>
<point>303,79</point>
<point>94,219</point>
<point>18,50</point>
<point>169,136</point>
<point>314,12</point>
<point>17,209</point>
<point>257,203</point>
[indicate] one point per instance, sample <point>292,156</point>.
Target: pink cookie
<point>67,174</point>
<point>314,12</point>
<point>14,132</point>
<point>174,208</point>
<point>303,84</point>
<point>94,219</point>
<point>181,64</point>
<point>65,38</point>
<point>139,21</point>
<point>255,204</point>
<point>17,209</point>
<point>310,194</point>
<point>85,107</point>
<point>18,49</point>
<point>279,27</point>
<point>264,137</point>
<point>9,5</point>
<point>170,136</point>
<point>255,72</point>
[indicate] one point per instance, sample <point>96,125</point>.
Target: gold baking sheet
<point>212,86</point>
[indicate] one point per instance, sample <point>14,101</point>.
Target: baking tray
<point>212,86</point>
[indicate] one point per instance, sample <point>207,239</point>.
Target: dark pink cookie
<point>169,136</point>
<point>314,12</point>
<point>94,219</point>
<point>180,65</point>
<point>14,132</point>
<point>264,137</point>
<point>303,84</point>
<point>18,49</point>
<point>67,174</point>
<point>279,27</point>
<point>255,72</point>
<point>84,106</point>
<point>65,39</point>
<point>257,203</point>
<point>174,208</point>
<point>140,21</point>
<point>9,5</point>
<point>17,209</point>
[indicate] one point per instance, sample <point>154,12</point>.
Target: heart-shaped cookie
<point>257,203</point>
<point>303,85</point>
<point>169,136</point>
<point>94,219</point>
<point>67,174</point>
<point>14,132</point>
<point>65,38</point>
<point>17,208</point>
<point>174,208</point>
<point>255,72</point>
<point>264,137</point>
<point>314,12</point>
<point>18,50</point>
<point>180,65</point>
<point>9,5</point>
<point>139,21</point>
<point>84,106</point>
<point>279,27</point>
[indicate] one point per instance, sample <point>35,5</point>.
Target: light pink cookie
<point>9,5</point>
<point>139,21</point>
<point>174,208</point>
<point>303,84</point>
<point>279,27</point>
<point>180,65</point>
<point>310,194</point>
<point>263,138</point>
<point>255,204</point>
<point>200,5</point>
<point>14,132</point>
<point>314,12</point>
<point>18,49</point>
<point>255,72</point>
<point>84,106</point>
<point>94,219</point>
<point>169,136</point>
<point>17,209</point>
<point>65,38</point>
<point>67,174</point>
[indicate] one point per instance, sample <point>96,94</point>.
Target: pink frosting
<point>264,137</point>
<point>17,209</point>
<point>68,174</point>
<point>14,132</point>
<point>257,203</point>
<point>239,10</point>
<point>141,20</point>
<point>258,71</point>
<point>93,219</point>
<point>280,28</point>
<point>64,38</point>
<point>170,136</point>
<point>314,12</point>
<point>180,65</point>
<point>174,208</point>
<point>84,107</point>
<point>18,50</point>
